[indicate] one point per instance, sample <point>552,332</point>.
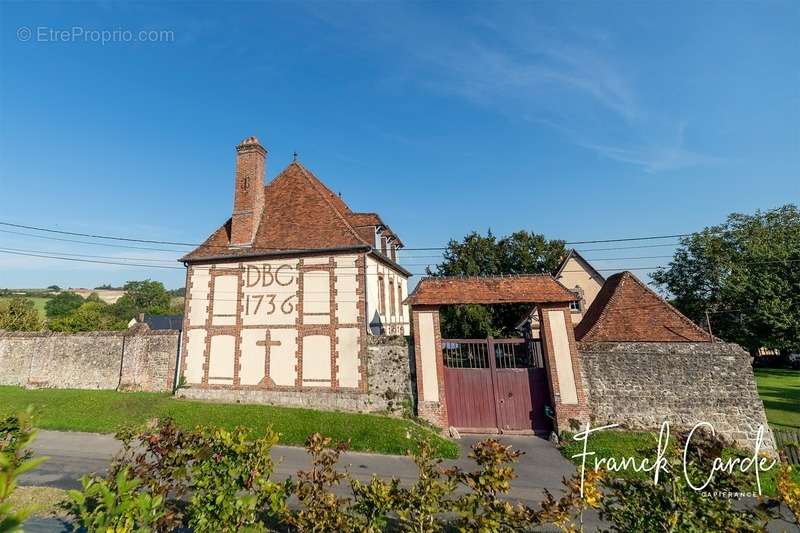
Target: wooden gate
<point>495,385</point>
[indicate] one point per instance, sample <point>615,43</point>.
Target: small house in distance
<point>281,298</point>
<point>579,276</point>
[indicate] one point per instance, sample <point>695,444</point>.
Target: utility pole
<point>708,324</point>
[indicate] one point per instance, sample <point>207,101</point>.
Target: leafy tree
<point>91,316</point>
<point>20,315</point>
<point>746,274</point>
<point>146,296</point>
<point>521,252</point>
<point>62,304</point>
<point>53,288</point>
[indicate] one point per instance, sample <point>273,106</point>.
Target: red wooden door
<point>494,385</point>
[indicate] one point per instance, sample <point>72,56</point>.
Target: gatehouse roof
<point>528,288</point>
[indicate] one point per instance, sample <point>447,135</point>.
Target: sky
<point>578,120</point>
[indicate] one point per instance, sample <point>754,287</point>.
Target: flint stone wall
<point>137,359</point>
<point>389,385</point>
<point>639,385</point>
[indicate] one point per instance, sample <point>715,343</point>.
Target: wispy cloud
<point>571,80</point>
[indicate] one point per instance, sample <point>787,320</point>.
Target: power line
<point>177,243</point>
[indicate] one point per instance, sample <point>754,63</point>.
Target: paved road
<point>74,454</point>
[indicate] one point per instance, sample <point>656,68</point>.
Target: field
<point>108,411</point>
<point>780,391</point>
<point>38,302</point>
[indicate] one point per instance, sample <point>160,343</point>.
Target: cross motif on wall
<point>267,343</point>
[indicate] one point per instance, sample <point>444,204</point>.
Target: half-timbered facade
<point>283,295</point>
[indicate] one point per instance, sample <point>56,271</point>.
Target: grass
<point>107,411</point>
<point>779,389</point>
<point>46,501</point>
<point>38,303</point>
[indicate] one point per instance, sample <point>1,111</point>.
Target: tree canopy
<point>521,252</point>
<point>19,314</point>
<point>62,304</point>
<point>745,273</point>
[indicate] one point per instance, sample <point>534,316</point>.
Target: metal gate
<point>495,385</point>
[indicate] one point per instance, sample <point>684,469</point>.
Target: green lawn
<point>107,411</point>
<point>779,389</point>
<point>38,303</point>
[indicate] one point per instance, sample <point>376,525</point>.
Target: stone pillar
<point>565,374</point>
<point>429,363</point>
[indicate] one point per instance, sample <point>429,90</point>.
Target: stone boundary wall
<point>641,384</point>
<point>136,359</point>
<point>389,385</point>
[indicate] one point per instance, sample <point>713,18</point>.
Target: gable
<point>626,310</point>
<point>299,214</point>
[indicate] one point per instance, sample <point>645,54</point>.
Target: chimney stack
<point>248,198</point>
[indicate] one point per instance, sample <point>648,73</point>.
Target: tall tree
<point>146,296</point>
<point>62,304</point>
<point>521,252</point>
<point>745,273</point>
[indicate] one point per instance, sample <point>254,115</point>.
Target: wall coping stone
<point>387,340</point>
<point>133,332</point>
<point>701,349</point>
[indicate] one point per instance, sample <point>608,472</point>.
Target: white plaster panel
<point>198,296</point>
<point>220,370</point>
<point>346,287</point>
<point>226,289</point>
<point>251,357</point>
<point>316,360</point>
<point>269,293</point>
<point>427,348</point>
<point>195,346</point>
<point>566,377</point>
<point>316,297</point>
<point>316,260</point>
<point>347,344</point>
<point>283,357</point>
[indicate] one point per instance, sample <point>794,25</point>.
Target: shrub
<point>20,315</point>
<point>480,509</point>
<point>116,505</point>
<point>15,436</point>
<point>321,509</point>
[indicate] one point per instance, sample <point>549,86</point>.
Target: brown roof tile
<point>489,290</point>
<point>300,214</point>
<point>627,310</point>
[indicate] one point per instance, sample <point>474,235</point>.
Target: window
<point>400,300</point>
<point>391,297</point>
<point>381,295</point>
<point>576,306</point>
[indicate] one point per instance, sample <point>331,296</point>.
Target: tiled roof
<point>489,290</point>
<point>300,214</point>
<point>627,310</point>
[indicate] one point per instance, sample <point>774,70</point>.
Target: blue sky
<point>577,120</point>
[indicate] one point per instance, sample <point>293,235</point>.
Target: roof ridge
<point>316,183</point>
<point>612,297</point>
<point>671,307</point>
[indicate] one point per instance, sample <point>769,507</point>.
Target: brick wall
<point>388,387</point>
<point>639,385</point>
<point>127,360</point>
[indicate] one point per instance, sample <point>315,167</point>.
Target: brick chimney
<point>248,198</point>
